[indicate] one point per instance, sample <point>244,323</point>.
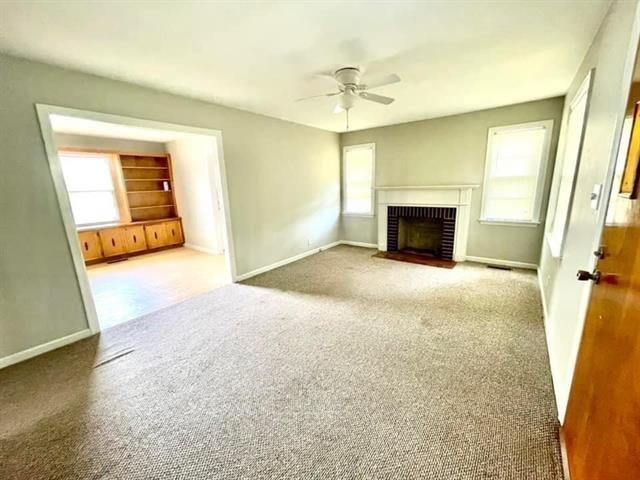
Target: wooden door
<point>174,232</point>
<point>602,424</point>
<point>135,238</point>
<point>113,241</point>
<point>156,235</point>
<point>90,245</point>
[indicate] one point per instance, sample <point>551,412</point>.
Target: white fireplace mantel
<point>456,196</point>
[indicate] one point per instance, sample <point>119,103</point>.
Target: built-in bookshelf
<point>149,186</point>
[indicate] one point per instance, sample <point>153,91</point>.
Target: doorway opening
<point>145,207</point>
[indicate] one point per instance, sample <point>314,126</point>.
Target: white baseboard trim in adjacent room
<point>43,348</point>
<point>504,263</point>
<point>210,251</point>
<point>358,244</point>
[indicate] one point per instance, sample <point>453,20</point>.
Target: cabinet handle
<point>86,246</point>
<point>134,239</point>
<point>155,234</point>
<point>173,232</point>
<point>113,242</point>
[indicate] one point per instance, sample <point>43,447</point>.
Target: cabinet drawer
<point>135,238</point>
<point>90,245</point>
<point>174,232</point>
<point>156,235</point>
<point>113,241</point>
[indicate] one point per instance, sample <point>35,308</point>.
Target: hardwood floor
<point>125,290</point>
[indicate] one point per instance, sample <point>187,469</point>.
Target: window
<point>90,186</point>
<point>357,179</point>
<point>568,168</point>
<point>514,172</point>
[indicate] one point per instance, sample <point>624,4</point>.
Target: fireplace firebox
<point>428,231</point>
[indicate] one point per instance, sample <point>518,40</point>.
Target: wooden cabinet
<point>174,232</point>
<point>103,244</point>
<point>135,238</point>
<point>90,245</point>
<point>113,241</point>
<point>156,235</point>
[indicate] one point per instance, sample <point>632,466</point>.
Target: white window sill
<point>509,223</point>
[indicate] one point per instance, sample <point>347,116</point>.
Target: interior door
<point>602,424</point>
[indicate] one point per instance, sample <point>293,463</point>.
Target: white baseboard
<point>330,245</point>
<point>559,391</point>
<point>545,311</point>
<point>286,261</point>
<point>60,342</point>
<point>210,251</point>
<point>358,244</point>
<point>505,263</point>
<point>43,348</point>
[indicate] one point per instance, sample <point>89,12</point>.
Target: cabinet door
<point>174,232</point>
<point>90,245</point>
<point>135,237</point>
<point>113,241</point>
<point>156,235</point>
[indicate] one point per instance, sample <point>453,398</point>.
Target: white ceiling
<point>94,128</point>
<point>453,56</point>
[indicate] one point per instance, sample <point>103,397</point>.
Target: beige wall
<point>195,181</point>
<point>565,298</point>
<point>451,150</point>
<point>103,143</point>
<point>283,183</point>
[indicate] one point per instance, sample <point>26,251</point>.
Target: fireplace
<point>446,206</point>
<point>428,231</point>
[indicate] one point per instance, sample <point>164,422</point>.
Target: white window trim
<point>557,247</point>
<point>345,149</point>
<point>117,193</point>
<point>542,173</point>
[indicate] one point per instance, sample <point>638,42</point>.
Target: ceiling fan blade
<point>321,95</point>
<point>376,98</point>
<point>381,81</point>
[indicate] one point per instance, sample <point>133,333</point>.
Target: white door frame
<point>44,112</point>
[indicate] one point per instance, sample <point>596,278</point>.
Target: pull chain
<point>347,119</point>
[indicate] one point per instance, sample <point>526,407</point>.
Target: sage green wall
<point>451,150</point>
<point>283,181</point>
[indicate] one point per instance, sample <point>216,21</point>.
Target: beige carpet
<point>338,366</point>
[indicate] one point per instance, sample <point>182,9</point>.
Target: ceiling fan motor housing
<point>348,76</point>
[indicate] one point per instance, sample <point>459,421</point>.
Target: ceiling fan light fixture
<point>347,100</point>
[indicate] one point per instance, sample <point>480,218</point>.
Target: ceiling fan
<point>351,87</point>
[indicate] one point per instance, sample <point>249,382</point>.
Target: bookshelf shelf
<point>148,181</point>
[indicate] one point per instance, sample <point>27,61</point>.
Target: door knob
<point>584,275</point>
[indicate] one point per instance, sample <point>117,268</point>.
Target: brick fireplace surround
<point>446,216</point>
